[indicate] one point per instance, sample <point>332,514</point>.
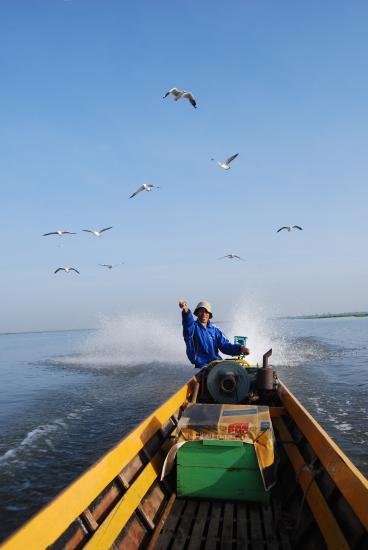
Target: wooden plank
<point>241,526</point>
<point>277,411</point>
<point>75,536</point>
<point>282,534</point>
<point>169,529</point>
<point>199,526</point>
<point>132,469</point>
<point>183,530</point>
<point>320,509</point>
<point>89,520</point>
<point>147,520</point>
<point>132,538</point>
<point>153,503</point>
<point>213,527</point>
<point>227,527</point>
<point>352,484</point>
<point>160,524</point>
<point>105,501</point>
<point>255,521</point>
<point>269,528</point>
<point>44,528</point>
<point>120,514</point>
<point>195,393</point>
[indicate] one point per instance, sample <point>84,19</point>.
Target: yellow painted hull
<point>121,502</point>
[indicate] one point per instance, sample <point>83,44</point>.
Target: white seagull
<point>231,257</point>
<point>226,163</point>
<point>110,266</point>
<point>60,233</point>
<point>66,269</point>
<point>95,232</point>
<point>178,94</point>
<point>289,228</point>
<point>144,187</point>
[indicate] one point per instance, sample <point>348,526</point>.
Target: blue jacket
<point>203,344</point>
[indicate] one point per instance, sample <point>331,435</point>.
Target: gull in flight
<point>144,187</point>
<point>231,257</point>
<point>290,227</point>
<point>95,232</point>
<point>226,163</point>
<point>66,269</point>
<point>110,266</point>
<point>60,233</point>
<point>178,94</point>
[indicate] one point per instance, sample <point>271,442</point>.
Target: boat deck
<point>204,525</point>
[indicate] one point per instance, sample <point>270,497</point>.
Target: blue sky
<point>284,84</point>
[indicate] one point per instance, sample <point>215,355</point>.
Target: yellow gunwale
<point>51,522</point>
<point>349,480</point>
<point>321,511</point>
<point>116,520</point>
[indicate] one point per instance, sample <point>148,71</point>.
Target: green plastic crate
<point>219,469</point>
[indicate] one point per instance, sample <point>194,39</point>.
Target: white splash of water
<point>126,340</point>
<point>251,319</point>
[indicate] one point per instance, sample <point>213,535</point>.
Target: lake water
<point>68,397</point>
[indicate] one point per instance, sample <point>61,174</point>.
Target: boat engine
<point>228,382</point>
<point>233,381</point>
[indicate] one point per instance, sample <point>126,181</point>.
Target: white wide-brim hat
<point>206,306</point>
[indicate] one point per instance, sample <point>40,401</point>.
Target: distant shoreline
<point>328,315</point>
<point>43,331</point>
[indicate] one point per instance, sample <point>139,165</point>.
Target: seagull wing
<point>68,233</point>
<point>59,269</point>
<point>104,229</point>
<point>298,227</point>
<point>52,233</point>
<point>173,91</point>
<point>73,269</point>
<point>222,257</point>
<point>141,188</point>
<point>230,159</point>
<point>87,230</point>
<point>191,98</point>
<point>281,228</point>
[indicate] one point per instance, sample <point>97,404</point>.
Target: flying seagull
<point>231,257</point>
<point>290,227</point>
<point>95,232</point>
<point>226,163</point>
<point>66,269</point>
<point>60,233</point>
<point>178,94</point>
<point>110,266</point>
<point>144,187</point>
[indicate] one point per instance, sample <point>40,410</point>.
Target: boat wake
<point>41,437</point>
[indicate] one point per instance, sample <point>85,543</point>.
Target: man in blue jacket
<point>203,339</point>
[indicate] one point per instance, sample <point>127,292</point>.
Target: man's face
<point>203,315</point>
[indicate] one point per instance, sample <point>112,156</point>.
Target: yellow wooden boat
<point>320,499</point>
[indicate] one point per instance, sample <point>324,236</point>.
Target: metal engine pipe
<point>265,358</point>
<point>265,374</point>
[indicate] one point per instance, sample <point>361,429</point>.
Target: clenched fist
<point>184,306</point>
